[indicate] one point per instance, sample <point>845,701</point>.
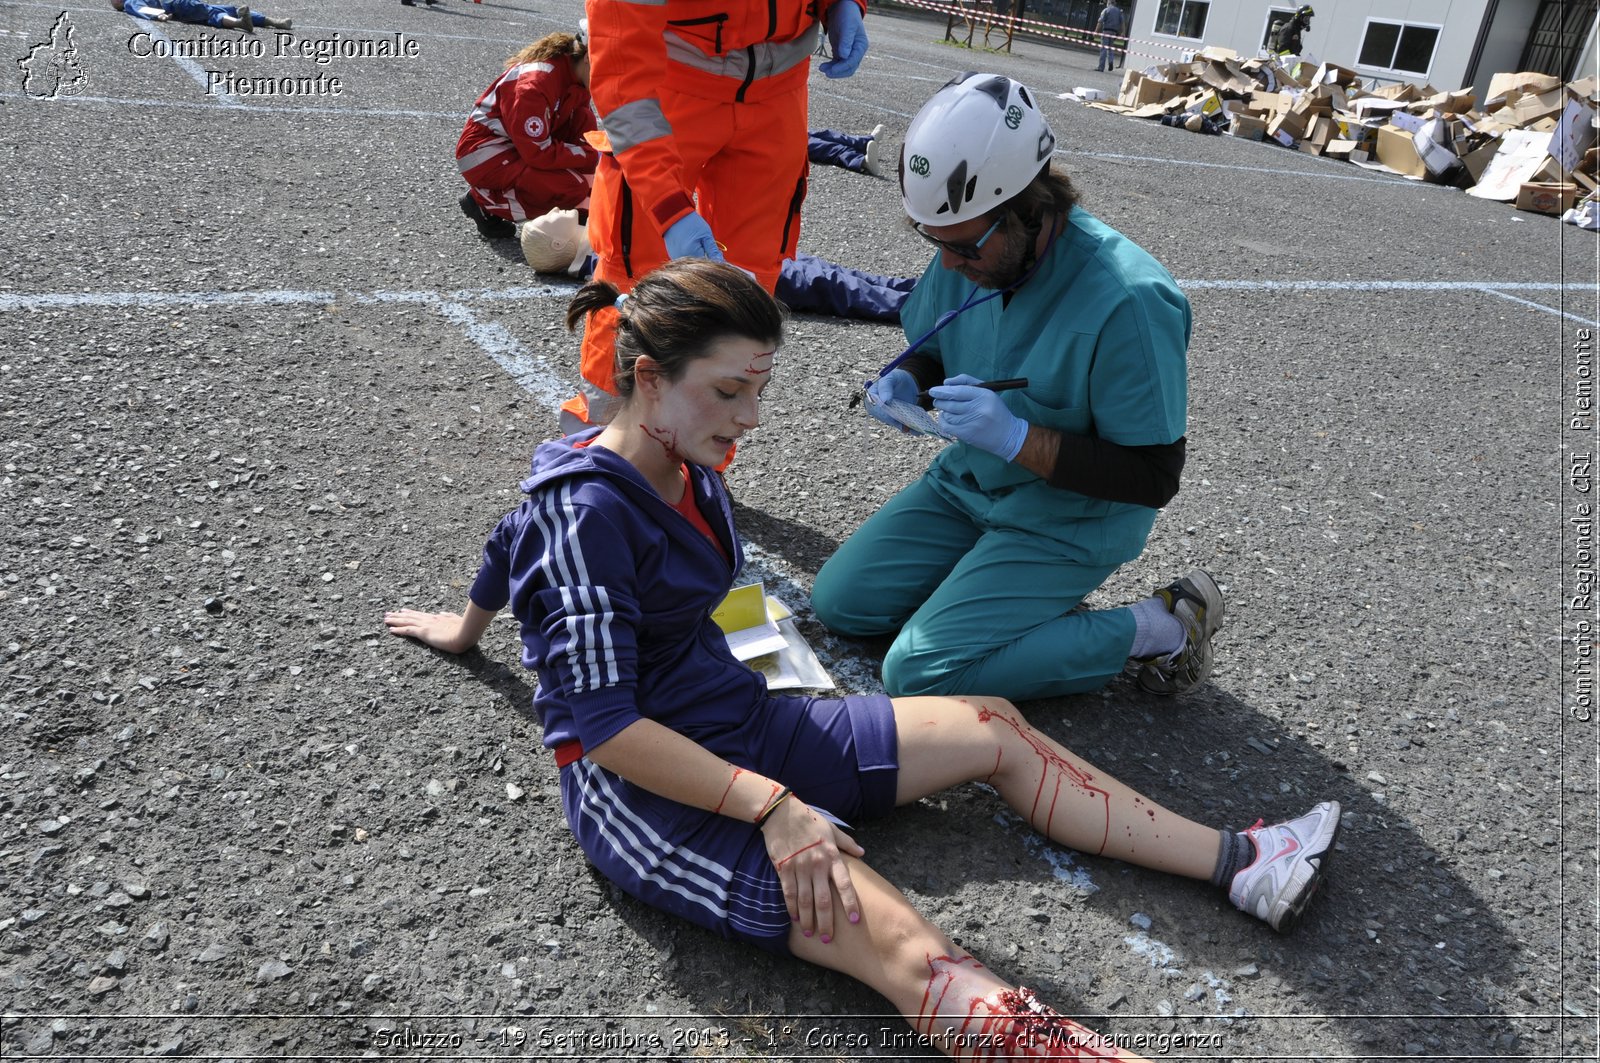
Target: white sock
<point>1156,632</point>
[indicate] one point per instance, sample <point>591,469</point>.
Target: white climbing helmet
<point>977,142</point>
<point>551,242</point>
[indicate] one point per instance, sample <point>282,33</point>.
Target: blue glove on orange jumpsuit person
<point>690,237</point>
<point>848,38</point>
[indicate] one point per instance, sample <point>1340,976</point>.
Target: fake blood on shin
<point>968,1023</point>
<point>1057,772</point>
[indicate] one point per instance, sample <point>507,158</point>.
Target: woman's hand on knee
<point>809,852</point>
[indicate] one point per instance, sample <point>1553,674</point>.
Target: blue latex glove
<point>848,38</point>
<point>690,237</point>
<point>978,417</point>
<point>898,386</point>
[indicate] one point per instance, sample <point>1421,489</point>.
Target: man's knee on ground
<point>842,606</point>
<point>922,673</point>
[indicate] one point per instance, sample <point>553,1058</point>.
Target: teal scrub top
<point>1101,331</point>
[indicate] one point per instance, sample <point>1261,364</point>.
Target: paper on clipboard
<point>914,417</point>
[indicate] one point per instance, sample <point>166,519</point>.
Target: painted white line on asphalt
<point>873,105</point>
<point>189,66</point>
<point>13,301</point>
<point>1396,181</point>
<point>1547,309</point>
<point>1382,286</point>
<point>870,105</point>
<point>73,300</point>
<point>533,374</point>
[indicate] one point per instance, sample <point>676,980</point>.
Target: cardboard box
<point>1531,107</point>
<point>1400,91</point>
<point>1292,125</point>
<point>1334,74</point>
<point>1396,150</point>
<point>1377,106</point>
<point>1140,91</point>
<point>1247,127</point>
<point>1208,104</point>
<point>1574,134</point>
<point>1520,156</point>
<point>1587,172</point>
<point>1225,77</point>
<point>1546,198</point>
<point>1343,149</point>
<point>1269,103</point>
<point>1477,160</point>
<point>1408,122</point>
<point>1429,142</point>
<point>1503,86</point>
<point>1458,102</point>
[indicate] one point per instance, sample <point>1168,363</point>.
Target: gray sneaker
<point>1291,859</point>
<point>1197,603</point>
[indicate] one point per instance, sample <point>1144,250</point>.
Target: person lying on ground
<point>697,791</point>
<point>559,243</point>
<point>220,16</point>
<point>848,151</point>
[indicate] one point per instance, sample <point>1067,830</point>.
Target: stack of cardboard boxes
<point>1532,141</point>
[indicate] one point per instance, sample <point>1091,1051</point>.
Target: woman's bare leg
<point>966,1010</point>
<point>946,741</point>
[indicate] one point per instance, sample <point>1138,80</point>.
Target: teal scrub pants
<point>979,609</point>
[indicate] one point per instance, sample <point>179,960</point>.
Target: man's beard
<point>1008,270</point>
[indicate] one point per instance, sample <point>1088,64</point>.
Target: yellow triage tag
<point>747,624</point>
<point>744,607</point>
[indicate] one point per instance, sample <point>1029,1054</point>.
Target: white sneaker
<point>1291,859</point>
<point>870,164</point>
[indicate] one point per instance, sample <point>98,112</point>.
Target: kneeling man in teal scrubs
<point>978,568</point>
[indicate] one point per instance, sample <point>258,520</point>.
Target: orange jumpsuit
<point>704,103</point>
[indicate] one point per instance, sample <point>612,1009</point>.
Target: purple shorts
<point>840,755</point>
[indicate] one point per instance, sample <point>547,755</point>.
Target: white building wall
<point>1508,37</point>
<point>1339,27</point>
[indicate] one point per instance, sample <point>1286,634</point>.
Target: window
<point>1275,15</point>
<point>1183,18</point>
<point>1398,46</point>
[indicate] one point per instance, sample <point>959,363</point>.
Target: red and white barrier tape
<point>1087,38</point>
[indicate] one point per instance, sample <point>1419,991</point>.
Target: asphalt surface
<point>260,381</point>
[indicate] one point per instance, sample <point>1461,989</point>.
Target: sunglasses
<point>966,251</point>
